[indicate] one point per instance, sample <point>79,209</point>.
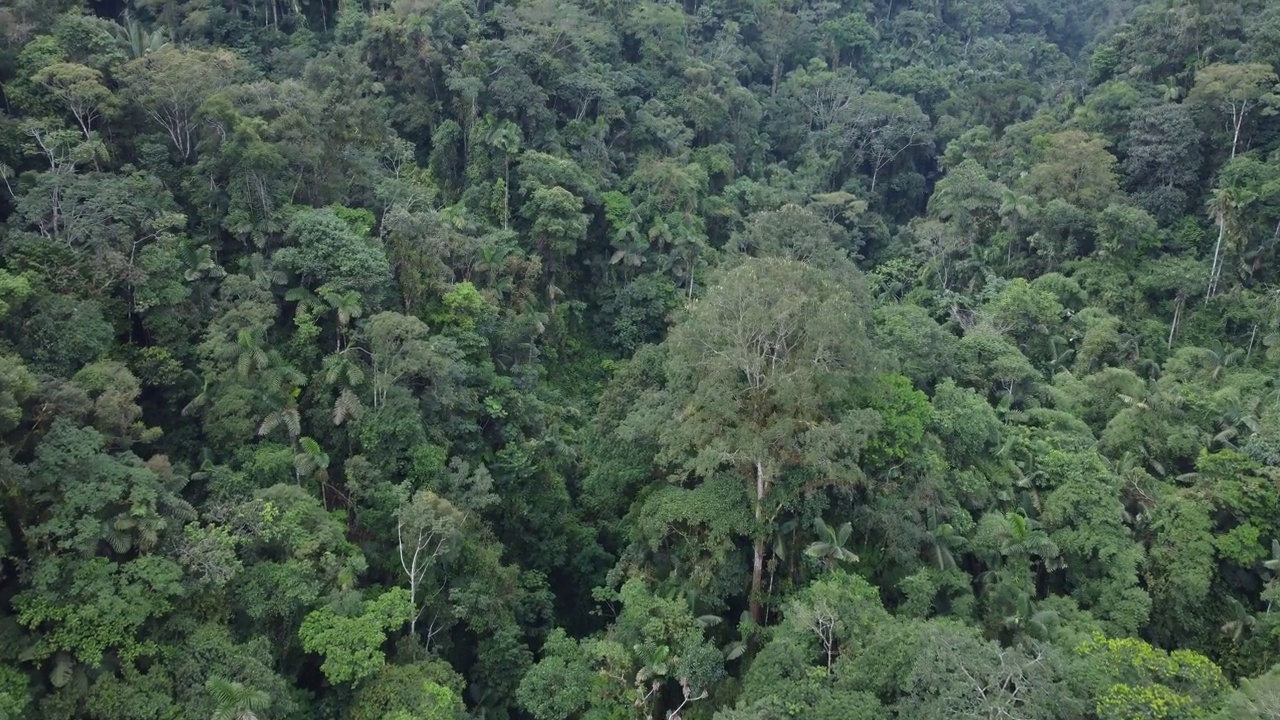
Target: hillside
<point>603,360</point>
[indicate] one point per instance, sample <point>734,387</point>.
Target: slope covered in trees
<point>587,360</point>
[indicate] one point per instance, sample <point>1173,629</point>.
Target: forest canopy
<point>646,360</point>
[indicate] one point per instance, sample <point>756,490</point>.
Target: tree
<point>81,89</point>
<point>561,684</point>
<point>328,252</point>
<point>346,306</point>
<point>971,201</point>
<point>311,461</point>
<point>558,224</point>
<point>794,233</point>
<point>1238,92</point>
<point>846,127</point>
<point>351,640</point>
<point>434,359</point>
<point>951,671</point>
<point>829,547</point>
<point>1223,206</point>
<point>654,657</point>
<point>170,84</point>
<point>757,375</point>
<point>400,347</point>
<point>427,533</point>
<point>235,701</point>
<point>1133,679</point>
<point>423,690</point>
<point>15,693</point>
<point>1076,167</point>
<point>1162,159</point>
<point>1257,699</point>
<point>900,125</point>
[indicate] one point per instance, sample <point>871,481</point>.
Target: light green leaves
<point>90,607</point>
<point>351,642</point>
<point>326,250</point>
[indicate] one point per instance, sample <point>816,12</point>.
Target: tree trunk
<point>757,583</point>
<point>506,190</point>
<point>757,559</point>
<point>1216,270</point>
<point>1238,121</point>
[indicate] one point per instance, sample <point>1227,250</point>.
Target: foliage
<point>409,359</point>
<point>351,642</point>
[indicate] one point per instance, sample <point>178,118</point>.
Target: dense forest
<point>639,360</point>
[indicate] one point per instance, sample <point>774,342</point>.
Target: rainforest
<point>639,359</point>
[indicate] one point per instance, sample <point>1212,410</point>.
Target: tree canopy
<point>589,360</point>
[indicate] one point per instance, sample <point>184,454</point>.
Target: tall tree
<point>1236,92</point>
<point>170,84</point>
<point>760,375</point>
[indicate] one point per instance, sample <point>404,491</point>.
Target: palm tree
<point>310,460</point>
<point>942,540</point>
<point>1218,358</point>
<point>286,417</point>
<point>201,399</point>
<point>1241,622</point>
<point>1219,207</point>
<point>1014,210</point>
<point>1131,468</point>
<point>1021,537</point>
<point>493,256</point>
<point>347,307</point>
<point>1025,480</point>
<point>1129,346</point>
<point>305,299</point>
<point>1022,618</point>
<point>505,137</point>
<point>343,372</point>
<point>1273,569</point>
<point>1237,417</point>
<point>1010,585</point>
<point>281,376</point>
<point>234,701</point>
<point>1060,353</point>
<point>260,271</point>
<point>286,383</point>
<point>483,700</point>
<point>784,534</point>
<point>139,527</point>
<point>1223,205</point>
<point>250,355</point>
<point>829,548</point>
<point>136,39</point>
<point>630,247</point>
<point>198,263</point>
<point>1157,405</point>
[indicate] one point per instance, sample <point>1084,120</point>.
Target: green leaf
<point>60,675</point>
